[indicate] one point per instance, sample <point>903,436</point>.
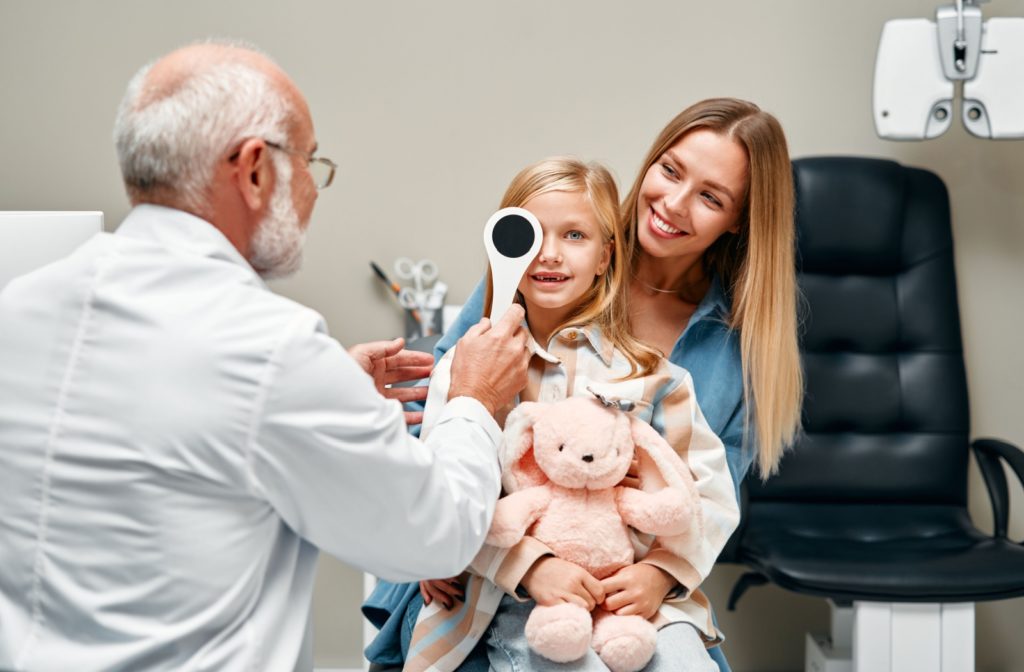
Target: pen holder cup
<point>431,324</point>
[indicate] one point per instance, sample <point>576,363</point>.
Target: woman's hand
<point>637,589</point>
<point>553,581</point>
<point>445,591</point>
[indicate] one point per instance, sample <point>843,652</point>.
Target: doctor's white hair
<point>170,139</point>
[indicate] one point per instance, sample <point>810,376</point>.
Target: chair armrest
<point>989,452</point>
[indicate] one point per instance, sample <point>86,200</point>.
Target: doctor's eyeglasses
<point>320,168</point>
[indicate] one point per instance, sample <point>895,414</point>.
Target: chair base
<point>821,656</point>
<point>895,637</point>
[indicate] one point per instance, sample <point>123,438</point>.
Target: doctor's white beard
<point>276,250</point>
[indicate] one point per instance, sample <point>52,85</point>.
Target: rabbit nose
<point>588,458</point>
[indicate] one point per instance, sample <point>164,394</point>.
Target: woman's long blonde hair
<point>605,304</point>
<point>756,266</point>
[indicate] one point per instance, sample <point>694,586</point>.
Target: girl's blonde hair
<point>756,266</point>
<point>605,305</point>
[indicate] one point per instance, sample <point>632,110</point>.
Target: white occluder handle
<point>513,238</point>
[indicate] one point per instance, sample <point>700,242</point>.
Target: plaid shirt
<point>578,358</point>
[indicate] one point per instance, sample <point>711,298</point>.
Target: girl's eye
<point>575,235</point>
<point>668,170</point>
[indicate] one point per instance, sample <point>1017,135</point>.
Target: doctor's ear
<point>253,172</point>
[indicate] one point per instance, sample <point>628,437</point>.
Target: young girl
<point>577,314</point>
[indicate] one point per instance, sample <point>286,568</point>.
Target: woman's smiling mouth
<point>663,228</point>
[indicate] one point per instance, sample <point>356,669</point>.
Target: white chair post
<point>958,637</point>
<point>895,637</point>
<point>919,637</point>
<point>831,653</point>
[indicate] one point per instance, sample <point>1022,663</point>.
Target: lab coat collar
<point>179,230</point>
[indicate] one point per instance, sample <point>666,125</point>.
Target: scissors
<point>422,272</point>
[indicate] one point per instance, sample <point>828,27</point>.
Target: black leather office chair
<point>870,509</point>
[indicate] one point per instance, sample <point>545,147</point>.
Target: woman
<point>708,227</point>
<point>709,222</point>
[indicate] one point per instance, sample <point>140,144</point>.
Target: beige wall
<point>430,108</point>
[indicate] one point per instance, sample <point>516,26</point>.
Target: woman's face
<point>692,194</point>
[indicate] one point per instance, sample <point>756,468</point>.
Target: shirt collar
<point>535,348</point>
<point>714,305</point>
<point>179,230</point>
<point>570,335</point>
<point>714,301</point>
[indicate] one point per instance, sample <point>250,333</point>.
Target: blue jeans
<point>393,608</point>
<point>504,648</point>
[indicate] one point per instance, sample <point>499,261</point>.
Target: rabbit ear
<point>659,465</point>
<point>519,469</point>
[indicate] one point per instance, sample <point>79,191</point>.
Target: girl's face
<point>691,195</point>
<point>572,255</point>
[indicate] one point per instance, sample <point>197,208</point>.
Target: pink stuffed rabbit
<point>562,463</point>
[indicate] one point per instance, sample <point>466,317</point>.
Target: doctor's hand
<point>490,361</point>
<point>552,581</point>
<point>637,589</point>
<point>387,363</point>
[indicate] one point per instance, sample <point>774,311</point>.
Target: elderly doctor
<point>177,442</point>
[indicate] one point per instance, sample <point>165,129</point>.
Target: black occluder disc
<point>512,236</point>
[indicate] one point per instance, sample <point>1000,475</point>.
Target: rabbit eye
<point>561,448</point>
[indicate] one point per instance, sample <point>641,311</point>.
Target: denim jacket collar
<point>714,305</point>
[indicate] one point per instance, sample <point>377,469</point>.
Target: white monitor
<point>29,240</point>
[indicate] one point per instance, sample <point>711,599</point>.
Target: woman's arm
<point>679,419</point>
<point>738,455</point>
<point>710,352</point>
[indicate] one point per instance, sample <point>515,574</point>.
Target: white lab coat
<point>176,442</point>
